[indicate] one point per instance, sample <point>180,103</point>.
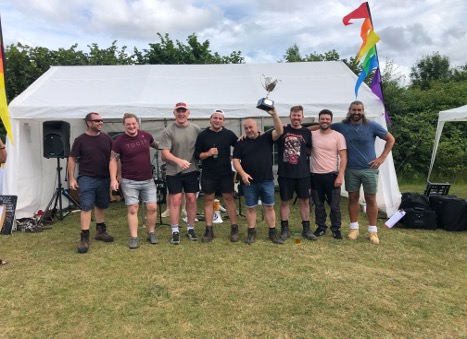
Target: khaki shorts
<point>366,177</point>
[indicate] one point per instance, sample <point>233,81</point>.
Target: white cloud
<point>261,30</point>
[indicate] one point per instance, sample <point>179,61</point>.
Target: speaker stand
<point>57,198</point>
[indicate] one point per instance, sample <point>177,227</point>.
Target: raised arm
<point>278,126</point>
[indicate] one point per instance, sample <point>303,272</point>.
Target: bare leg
<point>99,214</point>
<point>251,217</point>
<point>353,207</point>
<point>85,219</point>
<point>175,200</point>
<point>269,215</point>
<point>371,208</point>
<point>191,207</point>
<point>230,207</point>
<point>151,209</point>
<point>304,208</point>
<point>208,208</point>
<point>133,220</point>
<point>284,209</point>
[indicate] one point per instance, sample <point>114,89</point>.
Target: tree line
<point>413,109</point>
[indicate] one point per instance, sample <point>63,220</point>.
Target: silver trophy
<point>269,83</point>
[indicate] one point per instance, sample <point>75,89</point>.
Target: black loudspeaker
<point>56,139</point>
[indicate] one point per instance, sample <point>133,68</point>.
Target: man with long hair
<point>362,165</point>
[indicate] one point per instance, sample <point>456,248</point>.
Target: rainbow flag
<point>367,51</point>
<point>3,102</point>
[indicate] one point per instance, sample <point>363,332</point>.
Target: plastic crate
<point>437,188</point>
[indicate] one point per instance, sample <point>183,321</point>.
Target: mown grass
<point>412,285</point>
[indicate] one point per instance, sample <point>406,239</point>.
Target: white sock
<point>354,225</point>
<point>189,227</point>
<point>174,228</point>
<point>372,229</point>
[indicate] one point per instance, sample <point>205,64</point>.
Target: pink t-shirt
<point>325,149</point>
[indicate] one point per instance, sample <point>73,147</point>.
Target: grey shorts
<point>134,191</point>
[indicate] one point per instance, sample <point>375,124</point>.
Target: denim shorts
<point>367,177</point>
<point>263,190</point>
<point>93,192</point>
<point>134,191</point>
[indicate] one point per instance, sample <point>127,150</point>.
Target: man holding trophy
<point>253,161</point>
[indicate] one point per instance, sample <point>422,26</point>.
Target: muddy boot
<point>208,235</point>
<point>84,242</point>
<point>234,237</point>
<point>306,233</point>
<point>284,230</point>
<point>101,233</point>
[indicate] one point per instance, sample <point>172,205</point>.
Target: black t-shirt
<point>256,156</point>
<point>92,154</point>
<point>223,140</point>
<point>292,152</point>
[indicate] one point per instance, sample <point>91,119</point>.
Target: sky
<point>261,30</point>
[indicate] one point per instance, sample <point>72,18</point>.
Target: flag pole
<point>4,115</point>
<point>380,83</point>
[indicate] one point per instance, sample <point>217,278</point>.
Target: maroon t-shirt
<point>134,155</point>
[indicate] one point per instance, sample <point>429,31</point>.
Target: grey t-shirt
<point>180,141</point>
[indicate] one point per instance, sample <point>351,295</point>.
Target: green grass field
<point>412,285</point>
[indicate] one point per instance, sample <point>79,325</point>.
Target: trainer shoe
<point>307,234</point>
<point>133,243</point>
<point>373,237</point>
<point>151,237</point>
<point>275,238</point>
<point>337,234</point>
<point>175,238</point>
<point>165,214</point>
<point>185,219</point>
<point>319,232</point>
<point>191,235</point>
<point>353,234</point>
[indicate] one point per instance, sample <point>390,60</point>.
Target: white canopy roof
<point>455,114</point>
<point>150,91</point>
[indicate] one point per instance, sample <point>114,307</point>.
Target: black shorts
<point>287,187</point>
<point>223,184</point>
<point>184,182</point>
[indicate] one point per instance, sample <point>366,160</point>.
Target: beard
<point>356,117</point>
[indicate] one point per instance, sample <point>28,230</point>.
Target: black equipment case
<point>451,212</point>
<point>419,218</point>
<point>418,213</point>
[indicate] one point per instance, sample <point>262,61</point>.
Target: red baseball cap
<point>180,105</point>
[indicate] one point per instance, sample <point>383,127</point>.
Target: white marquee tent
<point>68,93</point>
<point>455,114</point>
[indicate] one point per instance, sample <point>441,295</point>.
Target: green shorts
<point>367,177</point>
